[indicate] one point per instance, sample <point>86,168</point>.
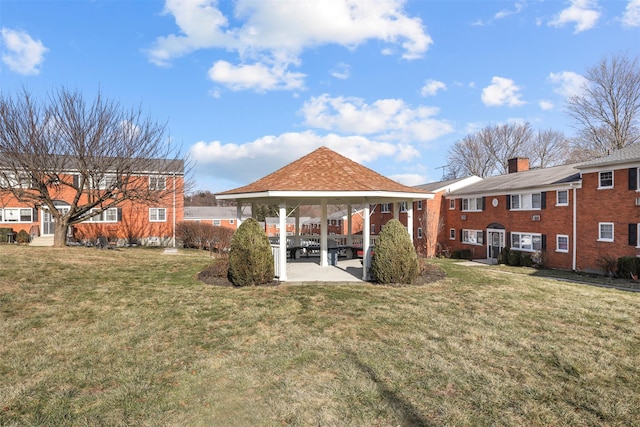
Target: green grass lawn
<point>130,337</point>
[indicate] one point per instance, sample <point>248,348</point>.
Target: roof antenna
<point>443,168</point>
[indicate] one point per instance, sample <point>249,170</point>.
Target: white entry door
<point>48,222</point>
<point>495,243</point>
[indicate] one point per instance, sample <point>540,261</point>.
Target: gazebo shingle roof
<point>323,170</point>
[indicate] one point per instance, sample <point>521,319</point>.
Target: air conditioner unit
<point>535,217</point>
<point>637,201</point>
<point>463,217</point>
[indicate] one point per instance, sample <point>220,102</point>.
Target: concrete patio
<point>309,270</point>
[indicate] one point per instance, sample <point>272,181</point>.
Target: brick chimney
<point>518,164</point>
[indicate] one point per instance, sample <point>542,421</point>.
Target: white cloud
<point>258,77</point>
<point>519,6</point>
<point>431,87</point>
<point>21,53</point>
<point>201,25</point>
<point>244,163</point>
<point>410,179</point>
<point>388,119</point>
<point>546,105</point>
<point>567,83</point>
<point>501,91</point>
<point>631,17</point>
<point>278,32</point>
<point>341,71</point>
<point>583,13</point>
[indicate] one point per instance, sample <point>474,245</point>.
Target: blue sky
<point>248,86</point>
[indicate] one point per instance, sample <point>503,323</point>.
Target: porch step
<point>42,241</point>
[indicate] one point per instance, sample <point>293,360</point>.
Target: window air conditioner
<point>535,217</point>
<point>463,217</point>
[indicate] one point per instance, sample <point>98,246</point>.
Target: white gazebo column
<point>409,204</point>
<point>349,226</point>
<point>238,214</point>
<point>366,240</point>
<point>323,233</point>
<point>297,232</point>
<point>396,210</point>
<point>282,216</point>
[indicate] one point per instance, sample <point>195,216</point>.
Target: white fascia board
<point>610,166</point>
<point>460,184</point>
<point>327,195</point>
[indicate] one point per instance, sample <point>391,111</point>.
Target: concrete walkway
<point>309,270</point>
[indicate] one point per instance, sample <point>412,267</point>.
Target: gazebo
<point>324,177</point>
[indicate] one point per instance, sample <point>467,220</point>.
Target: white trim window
<point>16,215</point>
<point>562,198</point>
<point>528,242</point>
<point>452,234</point>
<point>385,207</point>
<point>419,205</point>
<point>605,232</point>
<point>157,214</point>
<point>473,237</point>
<point>472,204</point>
<point>372,228</point>
<point>419,232</point>
<point>525,202</point>
<point>157,182</point>
<point>232,221</point>
<point>403,206</point>
<point>104,182</point>
<point>605,179</point>
<point>19,180</point>
<point>107,215</point>
<point>216,222</point>
<point>562,243</point>
<point>452,204</point>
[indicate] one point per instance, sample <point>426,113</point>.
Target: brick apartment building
<point>574,215</point>
<point>131,221</point>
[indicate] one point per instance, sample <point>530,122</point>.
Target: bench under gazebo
<point>321,178</point>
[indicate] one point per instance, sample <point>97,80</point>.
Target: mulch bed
<point>211,276</point>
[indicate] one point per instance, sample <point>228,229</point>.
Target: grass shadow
<point>408,413</point>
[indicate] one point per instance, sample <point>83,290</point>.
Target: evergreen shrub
<point>23,237</point>
<point>503,256</point>
<point>628,265</point>
<point>515,259</point>
<point>250,257</point>
<point>395,259</point>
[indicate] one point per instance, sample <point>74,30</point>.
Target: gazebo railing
<point>314,240</point>
<point>275,251</point>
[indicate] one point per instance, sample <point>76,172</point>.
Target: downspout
<point>575,229</point>
<point>174,210</point>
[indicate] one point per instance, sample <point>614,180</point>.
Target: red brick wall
<point>135,216</point>
<point>616,205</point>
<point>553,220</point>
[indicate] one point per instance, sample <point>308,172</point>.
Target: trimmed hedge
<point>23,237</point>
<point>3,234</point>
<point>628,265</point>
<point>395,259</point>
<point>250,257</point>
<point>461,254</point>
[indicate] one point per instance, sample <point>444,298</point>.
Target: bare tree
<point>606,112</point>
<point>93,156</point>
<point>470,156</point>
<point>487,151</point>
<point>549,148</point>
